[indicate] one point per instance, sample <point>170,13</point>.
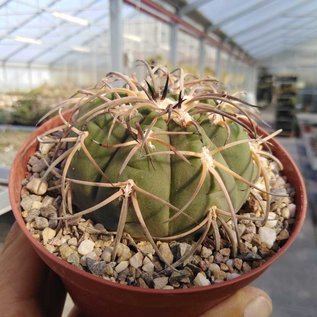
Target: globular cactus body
<point>176,150</point>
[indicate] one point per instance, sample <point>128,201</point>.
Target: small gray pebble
<point>74,259</point>
<point>160,282</point>
<point>231,276</point>
<point>90,263</point>
<point>38,166</point>
<point>40,223</point>
<point>48,211</point>
<point>97,268</point>
<point>52,223</point>
<point>32,214</point>
<point>27,201</point>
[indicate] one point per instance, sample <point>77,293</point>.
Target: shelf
<point>286,97</point>
<point>312,158</point>
<point>284,117</point>
<point>285,111</point>
<point>285,108</point>
<point>265,88</point>
<point>286,101</point>
<point>282,80</point>
<point>310,119</point>
<point>286,134</point>
<point>281,125</point>
<point>307,117</point>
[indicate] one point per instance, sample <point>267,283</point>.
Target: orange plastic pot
<point>97,297</point>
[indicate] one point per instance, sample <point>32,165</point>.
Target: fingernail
<point>258,307</point>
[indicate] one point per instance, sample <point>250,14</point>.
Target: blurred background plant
<point>27,107</point>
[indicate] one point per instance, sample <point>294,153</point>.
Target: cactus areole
<point>169,157</point>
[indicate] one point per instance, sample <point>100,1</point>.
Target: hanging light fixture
<point>70,18</point>
<point>81,49</point>
<point>28,40</point>
<point>132,37</point>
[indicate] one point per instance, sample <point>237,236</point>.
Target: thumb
<point>247,302</point>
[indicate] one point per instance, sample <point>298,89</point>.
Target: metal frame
<point>266,48</point>
<point>83,44</point>
<point>202,41</point>
<point>269,53</point>
<point>202,56</point>
<point>240,14</point>
<point>191,29</point>
<point>273,38</point>
<point>218,65</point>
<point>38,13</point>
<point>3,4</point>
<point>271,18</point>
<point>6,59</point>
<point>69,36</point>
<point>279,43</point>
<point>194,5</point>
<point>268,37</point>
<point>283,45</point>
<point>115,8</point>
<point>173,41</point>
<point>252,43</point>
<point>267,45</point>
<point>159,12</point>
<point>259,36</point>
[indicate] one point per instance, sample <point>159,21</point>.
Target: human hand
<point>28,288</point>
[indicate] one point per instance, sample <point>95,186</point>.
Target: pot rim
<point>299,220</point>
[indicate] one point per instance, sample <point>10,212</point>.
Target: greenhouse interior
<point>263,52</point>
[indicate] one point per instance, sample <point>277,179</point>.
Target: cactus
<point>171,157</point>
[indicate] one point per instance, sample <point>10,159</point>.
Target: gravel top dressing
<point>89,245</point>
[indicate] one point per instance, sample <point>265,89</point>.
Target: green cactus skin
<point>167,176</point>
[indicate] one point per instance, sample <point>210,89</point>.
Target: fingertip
<point>246,302</point>
<point>259,306</point>
<point>53,295</point>
<point>75,312</point>
<point>252,292</point>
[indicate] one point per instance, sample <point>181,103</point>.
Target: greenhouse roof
<point>263,27</point>
<point>43,31</point>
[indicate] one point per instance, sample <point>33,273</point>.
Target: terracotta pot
<point>97,297</point>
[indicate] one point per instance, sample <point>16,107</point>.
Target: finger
<point>54,295</point>
<point>21,269</point>
<point>20,277</point>
<point>26,281</point>
<point>247,302</point>
<point>75,312</point>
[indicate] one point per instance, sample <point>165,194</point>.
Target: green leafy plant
<point>5,116</point>
<point>172,157</point>
<point>28,111</point>
<point>30,106</point>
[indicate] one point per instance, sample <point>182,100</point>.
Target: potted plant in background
<point>162,196</point>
